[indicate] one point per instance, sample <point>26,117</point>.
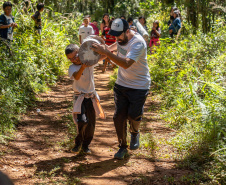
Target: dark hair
<point>123,17</point>
<point>110,22</point>
<point>40,6</point>
<point>103,21</point>
<point>177,12</point>
<point>94,20</point>
<point>5,4</point>
<point>142,17</point>
<point>157,22</point>
<point>71,48</point>
<point>130,19</point>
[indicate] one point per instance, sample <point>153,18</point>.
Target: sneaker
<point>122,152</point>
<point>76,149</point>
<point>86,150</point>
<point>134,143</point>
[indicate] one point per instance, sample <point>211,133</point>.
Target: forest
<point>188,75</point>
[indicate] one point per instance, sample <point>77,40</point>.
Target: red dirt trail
<point>40,152</point>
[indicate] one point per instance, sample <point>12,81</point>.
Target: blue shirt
<point>176,25</point>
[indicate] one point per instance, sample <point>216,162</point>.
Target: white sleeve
<point>136,51</point>
<point>92,31</point>
<point>73,68</point>
<point>79,31</point>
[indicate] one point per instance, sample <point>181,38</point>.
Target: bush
<point>191,75</point>
<point>36,62</point>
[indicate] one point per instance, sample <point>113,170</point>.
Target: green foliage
<point>191,77</point>
<point>113,78</point>
<point>34,62</point>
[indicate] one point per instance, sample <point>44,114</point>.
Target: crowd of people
<point>7,25</point>
<point>133,80</point>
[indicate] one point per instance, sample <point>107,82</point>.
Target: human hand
<point>10,25</point>
<point>14,25</point>
<point>170,31</point>
<point>99,48</point>
<point>85,65</point>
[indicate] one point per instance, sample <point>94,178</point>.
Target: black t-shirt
<point>37,17</point>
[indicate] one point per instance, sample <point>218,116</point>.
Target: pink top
<point>96,30</point>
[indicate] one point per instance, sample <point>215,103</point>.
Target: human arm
<point>112,47</point>
<point>77,75</point>
<point>158,32</point>
<point>80,39</point>
<point>175,26</point>
<point>6,26</point>
<point>102,27</point>
<point>92,31</point>
<point>122,62</point>
<point>35,17</point>
<point>103,35</point>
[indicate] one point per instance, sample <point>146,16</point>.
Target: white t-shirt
<point>10,29</point>
<point>85,31</point>
<point>86,82</point>
<point>137,76</point>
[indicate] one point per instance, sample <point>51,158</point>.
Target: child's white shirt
<point>86,82</point>
<point>85,31</point>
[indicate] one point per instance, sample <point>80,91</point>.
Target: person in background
<point>85,30</point>
<point>109,40</point>
<point>142,21</point>
<point>37,18</point>
<point>171,15</point>
<point>95,23</point>
<point>155,35</point>
<point>95,29</point>
<point>86,100</point>
<point>134,28</point>
<point>105,22</point>
<point>7,23</point>
<point>130,21</point>
<point>123,17</point>
<point>176,25</point>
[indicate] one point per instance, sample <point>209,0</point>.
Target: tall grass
<point>36,61</point>
<point>190,75</point>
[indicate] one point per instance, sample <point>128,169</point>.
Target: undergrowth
<point>31,62</point>
<point>190,75</point>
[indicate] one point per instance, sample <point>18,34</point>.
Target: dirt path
<point>40,153</point>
